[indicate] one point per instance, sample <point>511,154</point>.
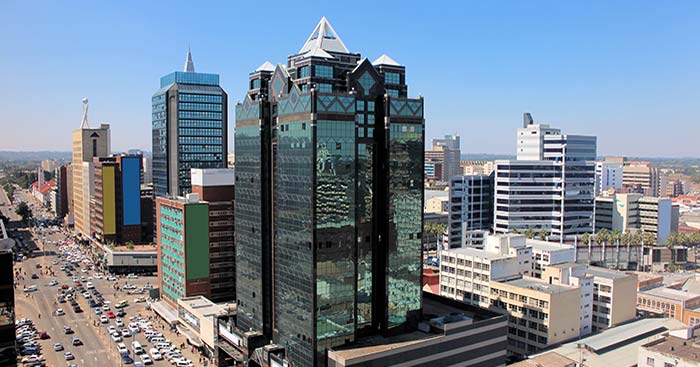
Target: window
<point>650,361</point>
<point>324,87</point>
<point>666,364</point>
<point>323,71</point>
<point>392,78</point>
<point>392,92</point>
<point>304,72</point>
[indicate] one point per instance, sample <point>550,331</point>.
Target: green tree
<point>529,233</point>
<point>586,238</point>
<point>626,238</point>
<point>615,236</point>
<point>543,234</point>
<point>671,242</point>
<point>603,236</point>
<point>24,211</point>
<point>130,245</point>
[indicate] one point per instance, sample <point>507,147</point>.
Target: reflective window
<point>324,87</point>
<point>323,71</point>
<point>392,78</point>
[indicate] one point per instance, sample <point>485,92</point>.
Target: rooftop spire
<point>85,123</point>
<point>189,65</point>
<point>323,37</point>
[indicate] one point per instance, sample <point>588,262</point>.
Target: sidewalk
<point>179,339</point>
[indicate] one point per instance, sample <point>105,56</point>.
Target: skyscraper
<point>189,128</point>
<point>451,153</point>
<point>329,197</point>
<point>88,143</point>
<point>551,184</point>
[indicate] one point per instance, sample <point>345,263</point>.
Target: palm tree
<point>615,236</point>
<point>543,234</point>
<point>602,236</point>
<point>529,233</point>
<point>671,241</point>
<point>586,238</point>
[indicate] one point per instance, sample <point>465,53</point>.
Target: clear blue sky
<point>626,71</point>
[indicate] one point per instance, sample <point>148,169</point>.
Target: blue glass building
<point>189,128</point>
<point>329,200</point>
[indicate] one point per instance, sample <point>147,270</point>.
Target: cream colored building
<point>88,143</point>
<point>539,313</point>
<point>438,204</point>
<point>614,297</point>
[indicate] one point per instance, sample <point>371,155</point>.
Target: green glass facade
<point>341,161</point>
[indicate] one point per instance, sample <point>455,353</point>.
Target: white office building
<point>608,175</point>
<point>470,210</point>
<point>550,186</point>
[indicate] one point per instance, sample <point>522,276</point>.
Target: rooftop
<point>547,246</point>
<point>549,359</point>
<point>686,350</point>
<point>137,248</point>
<point>618,346</point>
<point>202,306</point>
<point>538,285</point>
<point>486,255</point>
<point>606,273</point>
<point>670,294</point>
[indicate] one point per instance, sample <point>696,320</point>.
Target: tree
<point>626,238</point>
<point>615,236</point>
<point>130,245</point>
<point>603,236</point>
<point>586,238</point>
<point>529,233</point>
<point>671,241</point>
<point>24,211</point>
<point>543,234</point>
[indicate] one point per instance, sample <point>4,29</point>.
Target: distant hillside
<point>33,156</point>
<point>485,156</point>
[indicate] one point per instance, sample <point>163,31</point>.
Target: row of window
<point>199,132</point>
<point>200,106</point>
<point>199,115</point>
<point>201,123</point>
<point>208,98</point>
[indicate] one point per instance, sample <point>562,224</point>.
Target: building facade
<point>8,343</point>
<point>116,211</point>
<point>449,147</point>
<point>641,175</point>
<point>334,141</point>
<point>550,186</point>
<point>88,143</point>
<point>59,205</point>
<point>608,175</point>
<point>470,208</point>
<point>190,121</point>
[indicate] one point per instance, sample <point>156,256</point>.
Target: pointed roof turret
<point>385,60</point>
<point>266,66</point>
<point>323,37</point>
<point>189,65</point>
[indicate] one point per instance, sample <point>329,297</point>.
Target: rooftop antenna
<point>85,123</point>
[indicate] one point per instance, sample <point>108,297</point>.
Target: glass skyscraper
<point>189,128</point>
<point>329,198</point>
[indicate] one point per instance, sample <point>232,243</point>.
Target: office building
<point>438,204</point>
<point>449,147</point>
<point>618,212</point>
<point>540,314</point>
<point>465,273</point>
<point>550,186</point>
<point>470,209</point>
<point>88,143</point>
<point>658,216</point>
<point>59,201</point>
<point>147,176</point>
<point>147,213</point>
<point>476,167</point>
<point>8,345</point>
<point>195,239</point>
<point>215,187</point>
<point>190,121</point>
<point>335,143</point>
<point>549,253</point>
<point>641,176</point>
<point>434,166</point>
<point>608,175</point>
<point>116,212</point>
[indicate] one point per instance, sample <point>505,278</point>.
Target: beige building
<point>676,349</point>
<point>539,313</point>
<point>641,174</point>
<point>614,297</point>
<point>438,204</point>
<point>88,143</point>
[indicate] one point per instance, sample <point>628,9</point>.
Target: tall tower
<point>189,128</point>
<point>88,143</point>
<point>329,198</point>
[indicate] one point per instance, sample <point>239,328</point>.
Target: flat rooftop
<point>547,246</point>
<point>202,306</point>
<point>670,294</point>
<point>433,306</point>
<point>137,248</point>
<point>468,251</point>
<point>618,346</point>
<point>606,273</point>
<point>538,285</point>
<point>549,359</point>
<point>686,350</point>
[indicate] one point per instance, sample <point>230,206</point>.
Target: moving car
<point>69,356</point>
<point>58,347</point>
<point>76,341</point>
<point>59,312</point>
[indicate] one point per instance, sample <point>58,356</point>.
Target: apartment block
<point>656,215</point>
<point>575,275</point>
<point>540,314</point>
<point>614,295</point>
<point>677,348</point>
<point>88,143</point>
<point>549,253</point>
<point>470,209</point>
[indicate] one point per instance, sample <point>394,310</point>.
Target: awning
<point>192,338</point>
<point>165,311</point>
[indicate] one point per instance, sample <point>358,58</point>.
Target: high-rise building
<point>59,206</point>
<point>189,128</point>
<point>629,212</point>
<point>470,208</point>
<point>550,186</point>
<point>116,212</point>
<point>196,254</point>
<point>8,342</point>
<point>608,175</point>
<point>88,143</point>
<point>329,154</point>
<point>642,175</point>
<point>452,155</point>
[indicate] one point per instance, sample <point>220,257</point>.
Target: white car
<point>32,358</point>
<point>116,336</point>
<point>105,308</point>
<point>111,329</point>
<point>53,282</point>
<point>104,319</point>
<point>121,348</point>
<point>155,354</point>
<point>59,312</point>
<point>126,333</point>
<point>119,322</point>
<point>146,359</point>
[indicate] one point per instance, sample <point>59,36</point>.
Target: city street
<point>98,347</point>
